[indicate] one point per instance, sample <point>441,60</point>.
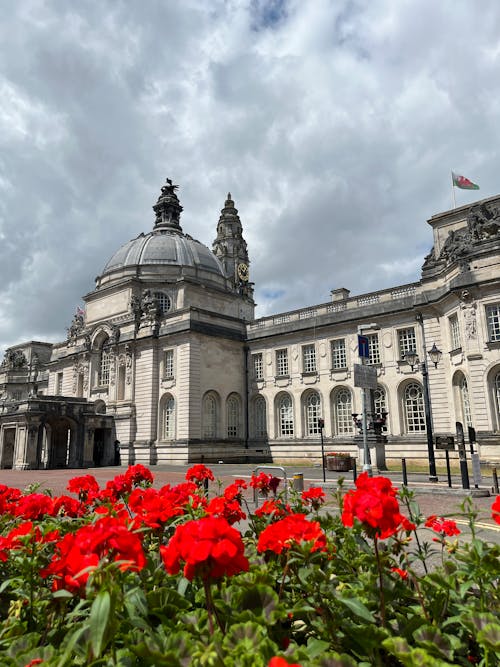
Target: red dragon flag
<point>462,182</point>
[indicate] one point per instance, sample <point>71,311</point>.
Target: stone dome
<point>167,244</point>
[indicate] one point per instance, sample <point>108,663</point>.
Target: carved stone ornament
<point>76,327</point>
<point>14,359</point>
<point>115,334</point>
<point>469,311</point>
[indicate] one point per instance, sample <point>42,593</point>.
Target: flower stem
<point>381,589</point>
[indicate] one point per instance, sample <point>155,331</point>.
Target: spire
<point>168,208</point>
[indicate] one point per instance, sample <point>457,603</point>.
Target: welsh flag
<point>462,182</point>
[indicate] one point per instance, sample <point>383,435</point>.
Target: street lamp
<point>411,357</point>
<point>367,462</point>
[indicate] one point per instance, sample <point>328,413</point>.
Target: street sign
<point>365,376</point>
<point>363,347</point>
<point>445,442</point>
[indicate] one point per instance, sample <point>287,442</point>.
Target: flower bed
<point>132,575</point>
<point>339,461</point>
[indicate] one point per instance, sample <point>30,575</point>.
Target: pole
<point>427,405</point>
<point>367,462</point>
<point>321,424</point>
<point>453,191</point>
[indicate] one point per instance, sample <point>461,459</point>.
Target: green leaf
<point>99,620</point>
<point>62,594</point>
<point>432,639</point>
<point>316,647</point>
<point>489,636</point>
<point>358,608</point>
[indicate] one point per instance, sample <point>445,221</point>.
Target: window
<point>281,363</point>
<point>233,417</point>
<point>339,357</point>
<point>493,318</point>
<point>59,384</point>
<point>169,365</point>
<point>169,419</point>
<point>380,404</point>
<point>258,366</point>
<point>164,302</point>
<point>407,341</point>
<point>313,413</point>
<point>260,418</point>
<point>308,358</point>
<point>454,333</point>
<point>414,408</point>
<point>210,416</point>
<point>285,416</point>
<point>104,368</point>
<point>374,349</point>
<point>496,389</point>
<point>464,400</point>
<point>342,410</point>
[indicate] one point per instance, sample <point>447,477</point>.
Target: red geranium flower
<point>402,573</point>
<point>227,509</point>
<point>234,491</point>
<point>67,506</point>
<point>442,525</point>
<point>496,510</point>
<point>198,473</point>
<point>139,474</point>
<point>315,496</point>
<point>209,548</point>
<point>291,530</point>
<point>281,662</point>
<point>374,504</point>
<point>273,508</point>
<point>34,506</point>
<point>8,497</point>
<point>85,486</point>
<point>265,483</point>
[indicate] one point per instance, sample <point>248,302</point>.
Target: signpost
<point>365,376</point>
<point>363,347</point>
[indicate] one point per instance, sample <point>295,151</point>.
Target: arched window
<point>259,417</point>
<point>413,404</point>
<point>380,404</point>
<point>168,418</point>
<point>233,416</point>
<point>164,302</point>
<point>312,413</point>
<point>496,390</point>
<point>464,400</point>
<point>104,367</point>
<point>285,416</point>
<point>210,415</point>
<point>342,411</point>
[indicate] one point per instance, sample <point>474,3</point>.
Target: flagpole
<point>453,191</point>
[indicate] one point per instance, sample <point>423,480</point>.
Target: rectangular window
<point>258,366</point>
<point>493,318</point>
<point>59,383</point>
<point>407,341</point>
<point>339,357</point>
<point>373,349</point>
<point>169,365</point>
<point>281,363</point>
<point>455,333</point>
<point>308,358</point>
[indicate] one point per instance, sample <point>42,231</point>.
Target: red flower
<point>291,530</point>
<point>281,662</point>
<point>315,496</point>
<point>116,488</point>
<point>139,474</point>
<point>374,504</point>
<point>198,473</point>
<point>153,508</point>
<point>8,497</point>
<point>402,573</point>
<point>442,525</point>
<point>235,490</point>
<point>208,547</point>
<point>227,509</point>
<point>85,486</point>
<point>67,506</point>
<point>273,508</point>
<point>34,506</point>
<point>496,510</point>
<point>265,483</point>
<point>35,661</point>
<point>77,554</point>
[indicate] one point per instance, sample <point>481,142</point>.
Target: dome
<point>166,245</point>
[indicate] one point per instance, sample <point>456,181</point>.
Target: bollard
<point>354,471</point>
<point>298,481</point>
<point>495,480</point>
<point>205,487</point>
<point>405,476</point>
<point>448,469</point>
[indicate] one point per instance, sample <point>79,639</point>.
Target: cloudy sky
<point>333,123</point>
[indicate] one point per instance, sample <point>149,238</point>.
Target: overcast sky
<point>333,123</point>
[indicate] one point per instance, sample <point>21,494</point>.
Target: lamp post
<point>412,358</point>
<point>367,462</point>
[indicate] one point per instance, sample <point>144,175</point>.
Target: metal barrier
<point>262,469</point>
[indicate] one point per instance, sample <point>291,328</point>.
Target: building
<point>168,359</point>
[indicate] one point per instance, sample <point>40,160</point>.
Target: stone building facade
<point>168,359</point>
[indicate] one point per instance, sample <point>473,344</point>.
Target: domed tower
<point>161,344</point>
<point>231,248</point>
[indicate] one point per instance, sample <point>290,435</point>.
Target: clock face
<point>243,272</point>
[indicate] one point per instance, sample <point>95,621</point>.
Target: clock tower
<point>231,248</point>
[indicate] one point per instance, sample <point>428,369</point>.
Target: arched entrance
<point>60,439</point>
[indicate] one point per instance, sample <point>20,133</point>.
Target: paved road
<point>434,498</point>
